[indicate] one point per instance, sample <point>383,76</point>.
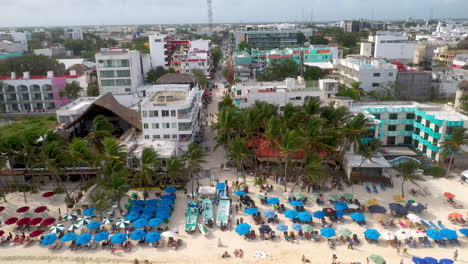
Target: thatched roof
<point>176,78</point>
<point>108,102</point>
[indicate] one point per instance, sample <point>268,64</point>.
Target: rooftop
<point>38,77</point>
<point>169,97</point>
<point>266,31</point>
<point>165,149</point>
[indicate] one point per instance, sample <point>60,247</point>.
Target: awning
<point>322,65</point>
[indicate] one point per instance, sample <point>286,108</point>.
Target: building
<point>266,39</point>
<point>358,25</point>
<point>73,33</point>
<point>373,74</point>
<point>119,71</point>
<point>462,92</point>
<point>160,50</point>
<point>421,126</point>
<point>350,25</point>
<point>412,84</point>
<point>291,91</point>
<point>366,49</point>
<point>444,56</point>
<point>393,46</point>
<point>171,113</point>
<point>34,93</point>
<point>424,53</point>
<point>460,61</point>
<point>51,52</point>
<point>446,82</point>
<point>194,56</point>
<point>18,40</point>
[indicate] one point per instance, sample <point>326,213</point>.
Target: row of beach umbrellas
<point>24,209</point>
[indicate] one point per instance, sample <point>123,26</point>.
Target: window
<point>153,113</point>
<point>122,63</point>
<point>407,140</point>
<point>123,73</point>
<point>428,123</point>
<point>164,113</point>
<point>426,136</point>
<point>145,125</point>
<point>167,136</point>
<point>424,150</point>
<point>127,89</point>
<point>410,116</point>
<point>166,125</point>
<point>390,140</point>
<point>155,125</point>
<point>376,74</point>
<point>409,128</point>
<point>107,74</point>
<point>155,137</point>
<point>146,136</point>
<point>145,113</point>
<point>393,116</point>
<point>433,154</point>
<point>391,127</point>
<point>174,136</point>
<point>239,92</point>
<point>158,136</point>
<point>450,130</point>
<point>377,116</point>
<point>107,82</point>
<point>298,98</point>
<point>390,74</point>
<point>436,128</point>
<point>123,82</point>
<point>173,112</point>
<point>418,119</point>
<point>375,84</point>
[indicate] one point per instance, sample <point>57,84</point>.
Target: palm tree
<point>194,157</point>
<point>313,170</point>
<point>357,90</point>
<point>239,153</point>
<point>368,151</point>
<point>80,153</point>
<point>315,140</point>
<point>312,107</point>
<point>145,175</point>
<point>101,128</point>
<point>353,130</point>
<point>289,143</point>
<point>118,185</point>
<point>260,181</point>
<point>227,102</point>
<point>225,126</point>
<point>112,156</point>
<point>453,144</point>
<point>100,201</point>
<point>334,117</point>
<point>175,169</point>
<point>408,173</point>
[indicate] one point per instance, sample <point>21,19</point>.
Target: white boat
<point>222,216</point>
<point>203,229</point>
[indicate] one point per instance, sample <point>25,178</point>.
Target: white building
<point>373,74</point>
<point>73,33</point>
<point>171,113</point>
<point>51,52</point>
<point>393,46</point>
<point>158,50</point>
<point>366,49</point>
<point>119,71</point>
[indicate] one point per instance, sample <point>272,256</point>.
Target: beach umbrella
<point>101,236</point>
<point>48,221</point>
<point>281,227</point>
<point>333,197</point>
<point>74,227</point>
<point>259,196</point>
<point>315,196</point>
<point>413,218</point>
<point>299,196</point>
<point>11,221</point>
<point>319,214</point>
<point>40,209</point>
<point>140,223</point>
<point>84,238</point>
<point>377,209</point>
<point>239,193</point>
<point>398,208</point>
<point>146,216</point>
<point>164,207</point>
<point>327,232</point>
<point>464,231</point>
<point>107,221</point>
<point>132,216</point>
<point>154,222</point>
<point>2,232</point>
<point>23,221</point>
<point>430,260</point>
<point>449,195</point>
<point>170,189</point>
<point>273,200</point>
<point>83,220</point>
<point>455,215</point>
<point>168,234</point>
<point>69,237</point>
<point>387,235</point>
<point>296,203</point>
<point>269,214</point>
<point>122,223</point>
<point>163,215</point>
<point>152,202</point>
<point>49,239</point>
<point>449,233</point>
<point>307,228</point>
<point>290,214</point>
<point>446,261</point>
<point>339,213</point>
<point>403,234</point>
<point>380,217</point>
<point>348,196</point>
<point>398,198</point>
<point>415,207</point>
<point>372,234</point>
<point>138,202</point>
<point>341,206</point>
<point>119,238</point>
<point>243,229</point>
<point>153,237</point>
<point>264,229</point>
<point>329,212</point>
<point>250,211</point>
<point>36,233</point>
<point>69,216</point>
<point>304,216</point>
<point>434,234</point>
<point>89,212</point>
<point>150,210</point>
<point>48,194</point>
<point>377,259</point>
<point>417,234</point>
<point>169,197</point>
<point>2,208</point>
<point>35,221</point>
<point>137,235</point>
<point>296,227</point>
<point>417,260</point>
<point>353,206</point>
<point>94,225</point>
<point>358,217</point>
<point>136,209</point>
<point>345,232</point>
<point>22,209</point>
<point>57,228</point>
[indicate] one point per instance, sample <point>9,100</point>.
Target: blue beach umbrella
<point>136,209</point>
<point>341,206</point>
<point>430,260</point>
<point>250,211</point>
<point>339,213</point>
<point>149,210</point>
<point>166,203</point>
<point>297,227</point>
<point>304,216</point>
<point>139,202</point>
<point>327,232</point>
<point>281,227</point>
<point>448,233</point>
<point>398,208</point>
<point>264,229</point>
<point>415,207</point>
<point>154,222</point>
<point>153,237</point>
<point>84,238</point>
<point>417,260</point>
<point>358,217</point>
<point>49,239</point>
<point>269,214</point>
<point>446,261</point>
<point>89,212</point>
<point>273,200</point>
<point>170,189</point>
<point>163,215</point>
<point>464,231</point>
<point>137,235</point>
<point>94,225</point>
<point>434,234</point>
<point>140,223</point>
<point>152,202</point>
<point>319,214</point>
<point>168,197</point>
<point>377,209</point>
<point>132,217</point>
<point>163,207</point>
<point>290,214</point>
<point>101,236</point>
<point>296,203</point>
<point>243,229</point>
<point>119,238</point>
<point>372,234</point>
<point>146,216</point>
<point>68,237</point>
<point>239,193</point>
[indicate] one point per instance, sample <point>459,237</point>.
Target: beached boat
<point>207,206</point>
<point>221,191</point>
<point>203,229</point>
<point>192,217</point>
<point>223,212</point>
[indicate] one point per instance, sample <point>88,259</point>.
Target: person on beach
<point>225,255</point>
<point>236,253</point>
<point>405,251</point>
<point>241,253</point>
<point>455,255</point>
<point>334,258</point>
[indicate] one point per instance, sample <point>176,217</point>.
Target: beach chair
<point>440,224</point>
<point>382,187</point>
<point>368,189</point>
<point>426,225</point>
<point>375,188</point>
<point>433,225</point>
<point>427,243</point>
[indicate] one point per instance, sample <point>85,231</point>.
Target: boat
<point>207,206</point>
<point>221,191</point>
<point>223,212</point>
<point>203,229</point>
<point>192,217</point>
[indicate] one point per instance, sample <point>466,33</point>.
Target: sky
<point>121,12</point>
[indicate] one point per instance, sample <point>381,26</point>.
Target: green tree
<point>353,131</point>
<point>407,172</point>
<point>144,177</point>
<point>278,71</point>
<point>100,201</point>
<point>243,46</point>
<point>72,90</point>
<point>201,78</point>
<point>194,157</point>
<point>313,73</point>
<point>317,40</point>
<point>301,38</point>
<point>216,55</point>
<point>368,150</point>
<point>101,128</point>
<point>226,126</point>
<point>289,143</point>
<point>453,144</point>
<point>313,171</point>
<point>80,154</point>
<point>154,74</point>
<point>239,153</point>
<point>35,64</point>
<point>112,157</point>
<point>175,170</point>
<point>93,89</point>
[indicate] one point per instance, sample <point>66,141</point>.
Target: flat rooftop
<point>169,97</point>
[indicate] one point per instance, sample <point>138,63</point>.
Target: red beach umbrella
<point>22,209</point>
<point>449,195</point>
<point>36,233</point>
<point>48,194</point>
<point>2,232</point>
<point>2,208</point>
<point>40,209</point>
<point>35,221</point>
<point>11,221</point>
<point>48,221</point>
<point>23,221</point>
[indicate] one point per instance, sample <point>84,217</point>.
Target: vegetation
<point>243,46</point>
<point>453,144</point>
<point>354,92</point>
<point>154,74</point>
<point>407,172</point>
<point>313,73</point>
<point>72,90</point>
<point>93,89</point>
<point>278,71</point>
<point>301,38</point>
<point>141,44</point>
<point>216,55</point>
<point>199,75</point>
<point>34,64</point>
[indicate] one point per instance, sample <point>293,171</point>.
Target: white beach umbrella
<point>107,221</point>
<point>57,228</point>
<point>69,216</point>
<point>122,223</point>
<point>168,234</point>
<point>417,234</point>
<point>413,218</point>
<point>387,236</point>
<point>84,220</point>
<point>353,206</point>
<point>74,227</point>
<point>403,234</point>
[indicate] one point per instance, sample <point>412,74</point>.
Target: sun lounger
<point>440,224</point>
<point>375,188</point>
<point>427,243</point>
<point>426,225</point>
<point>368,189</point>
<point>433,225</point>
<point>382,187</point>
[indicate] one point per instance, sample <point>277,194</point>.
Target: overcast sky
<point>118,12</point>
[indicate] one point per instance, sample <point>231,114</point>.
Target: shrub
<point>435,171</point>
<point>58,190</point>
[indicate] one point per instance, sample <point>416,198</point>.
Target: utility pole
<point>210,14</point>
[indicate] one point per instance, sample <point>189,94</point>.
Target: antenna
<point>210,13</point>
